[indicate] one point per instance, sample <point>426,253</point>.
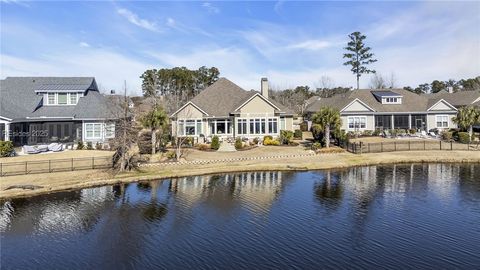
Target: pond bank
<point>62,181</point>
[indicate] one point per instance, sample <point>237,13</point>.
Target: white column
<point>7,132</point>
<point>393,122</point>
<point>409,121</point>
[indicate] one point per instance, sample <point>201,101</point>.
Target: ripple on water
<point>405,216</point>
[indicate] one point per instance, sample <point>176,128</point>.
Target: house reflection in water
<point>256,191</point>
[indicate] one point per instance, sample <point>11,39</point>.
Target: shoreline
<point>55,182</point>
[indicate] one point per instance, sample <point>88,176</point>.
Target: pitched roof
<point>411,102</point>
<point>460,98</point>
<point>223,97</point>
<point>19,100</point>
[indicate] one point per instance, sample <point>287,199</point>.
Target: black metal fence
<point>54,165</point>
<point>360,147</point>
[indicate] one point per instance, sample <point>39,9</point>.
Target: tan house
<point>396,109</point>
<point>228,111</point>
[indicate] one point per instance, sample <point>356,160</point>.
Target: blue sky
<point>291,43</point>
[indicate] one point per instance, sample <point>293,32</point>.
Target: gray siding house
<point>39,110</point>
<point>396,109</point>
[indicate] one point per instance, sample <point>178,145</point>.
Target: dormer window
<point>51,99</point>
<point>391,100</point>
<point>387,97</point>
<point>61,98</point>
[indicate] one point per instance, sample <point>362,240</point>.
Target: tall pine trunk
<point>358,81</point>
<point>154,141</point>
<point>327,136</point>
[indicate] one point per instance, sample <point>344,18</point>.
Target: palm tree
<point>154,120</point>
<point>329,119</point>
<point>466,118</point>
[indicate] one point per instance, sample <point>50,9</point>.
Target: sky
<point>290,43</point>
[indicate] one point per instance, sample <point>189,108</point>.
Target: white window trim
<point>93,137</point>
<point>353,117</point>
<point>69,103</point>
<point>267,130</point>
<point>442,115</point>
<point>229,132</point>
<point>184,120</point>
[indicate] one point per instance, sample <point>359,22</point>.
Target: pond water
<point>397,217</point>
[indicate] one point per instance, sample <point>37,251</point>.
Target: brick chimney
<point>264,87</point>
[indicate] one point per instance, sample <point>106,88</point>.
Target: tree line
<point>177,85</point>
<point>436,86</point>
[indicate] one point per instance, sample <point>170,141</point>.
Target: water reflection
<point>361,214</point>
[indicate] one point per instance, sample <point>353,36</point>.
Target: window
<point>272,125</point>
<point>442,121</point>
<point>242,126</point>
<point>282,123</point>
<point>51,99</point>
<point>252,126</point>
<point>73,98</point>
<point>263,126</point>
<point>357,122</point>
<point>93,130</point>
<point>189,127</point>
<point>62,98</point>
<point>110,130</point>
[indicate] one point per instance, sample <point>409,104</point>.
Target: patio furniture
<point>42,148</point>
<point>54,139</point>
<point>27,149</point>
<point>55,147</point>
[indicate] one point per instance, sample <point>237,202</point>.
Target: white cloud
<point>84,44</point>
<point>171,22</point>
<point>210,7</point>
<point>134,19</point>
<point>311,45</point>
<point>17,2</point>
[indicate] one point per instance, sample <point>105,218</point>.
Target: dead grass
<point>58,155</point>
<point>81,179</point>
<point>382,139</point>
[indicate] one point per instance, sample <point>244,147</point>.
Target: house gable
<point>442,105</point>
<point>357,106</point>
<point>189,110</point>
<point>257,104</point>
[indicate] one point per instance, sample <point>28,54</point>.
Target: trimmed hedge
<point>238,144</point>
<point>215,143</point>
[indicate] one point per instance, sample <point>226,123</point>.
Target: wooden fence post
<point>26,167</point>
<point>395,145</point>
<point>93,163</point>
<point>361,148</point>
<point>369,147</point>
<point>440,145</point>
<point>381,147</point>
<point>408,145</point>
<point>451,145</point>
<point>424,145</point>
<point>72,164</point>
<point>49,166</point>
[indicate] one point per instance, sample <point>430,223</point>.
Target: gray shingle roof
<point>458,99</point>
<point>18,100</point>
<point>411,102</point>
<point>223,97</point>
